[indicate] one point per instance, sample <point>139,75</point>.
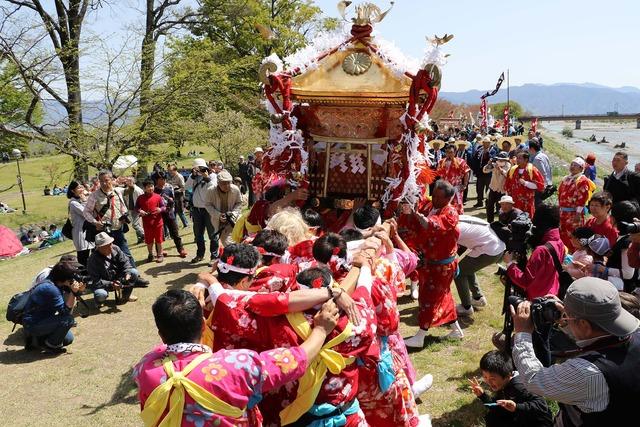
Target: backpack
<point>17,303</point>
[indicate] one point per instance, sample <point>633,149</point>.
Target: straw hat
<point>508,139</point>
<point>462,142</point>
<point>436,143</point>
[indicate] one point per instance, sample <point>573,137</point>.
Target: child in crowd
<point>600,221</point>
<point>581,260</point>
<point>598,247</point>
<point>150,207</point>
<point>55,236</point>
<point>512,405</point>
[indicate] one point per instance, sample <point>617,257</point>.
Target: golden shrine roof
<point>355,75</point>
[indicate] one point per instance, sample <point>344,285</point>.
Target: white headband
<point>579,161</point>
<point>223,267</point>
<point>362,230</point>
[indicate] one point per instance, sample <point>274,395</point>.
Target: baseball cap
<point>224,176</point>
<point>598,301</point>
<point>71,261</point>
<point>599,245</point>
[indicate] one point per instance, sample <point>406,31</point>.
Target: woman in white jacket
<point>76,194</point>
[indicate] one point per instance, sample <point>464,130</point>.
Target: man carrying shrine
<point>433,234</point>
<point>183,383</point>
<point>456,172</point>
<point>523,180</point>
<point>573,194</point>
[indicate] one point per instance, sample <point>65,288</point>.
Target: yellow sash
<point>175,386</point>
<point>310,383</point>
<point>237,235</point>
<point>513,170</point>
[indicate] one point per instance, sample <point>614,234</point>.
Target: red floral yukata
<point>523,197</point>
<point>387,403</point>
<point>233,322</point>
<point>573,194</point>
<point>275,278</point>
<point>237,377</point>
<point>436,246</point>
<point>339,388</point>
<point>301,254</point>
<point>454,171</point>
<point>605,229</point>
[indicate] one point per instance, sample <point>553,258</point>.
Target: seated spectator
<point>55,236</point>
<point>110,270</point>
<point>47,190</point>
<point>224,382</point>
<point>514,405</point>
<point>28,237</point>
<point>598,248</point>
<point>4,208</point>
<point>43,234</point>
<point>48,317</point>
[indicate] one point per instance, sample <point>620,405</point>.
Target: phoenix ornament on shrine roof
<point>366,13</point>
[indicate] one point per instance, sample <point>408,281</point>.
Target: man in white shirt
<point>202,183</point>
<point>484,248</point>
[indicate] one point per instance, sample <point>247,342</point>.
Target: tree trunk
<point>147,56</point>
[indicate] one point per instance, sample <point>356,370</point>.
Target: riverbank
<point>616,133</point>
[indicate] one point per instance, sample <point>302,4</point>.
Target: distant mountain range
<point>570,98</point>
<point>584,98</point>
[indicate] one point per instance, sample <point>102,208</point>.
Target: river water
<point>614,133</point>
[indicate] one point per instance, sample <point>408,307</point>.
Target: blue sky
<point>540,41</point>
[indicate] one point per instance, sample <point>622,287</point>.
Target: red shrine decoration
<point>350,114</point>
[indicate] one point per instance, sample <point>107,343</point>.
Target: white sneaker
<point>456,331</point>
<point>424,420</point>
<point>464,312</point>
<point>414,290</point>
<point>416,341</point>
<point>480,302</point>
<point>422,385</point>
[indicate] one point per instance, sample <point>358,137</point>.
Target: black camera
<point>125,219</point>
<point>543,310</point>
<point>628,227</point>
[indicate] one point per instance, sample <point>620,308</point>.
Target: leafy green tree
<point>515,109</point>
<point>16,102</point>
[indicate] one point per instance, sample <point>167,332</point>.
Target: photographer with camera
<point>202,183</point>
<point>110,270</point>
<point>47,313</point>
<point>601,383</point>
<point>540,277</point>
<point>617,269</point>
<point>633,253</point>
<point>227,206</point>
<point>106,211</point>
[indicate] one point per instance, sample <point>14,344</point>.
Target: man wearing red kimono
<point>456,172</point>
<point>573,194</point>
<point>433,234</point>
<point>523,180</point>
